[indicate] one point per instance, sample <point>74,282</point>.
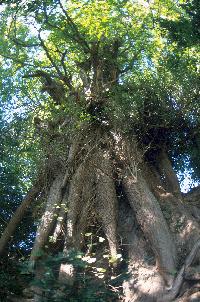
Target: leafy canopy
<point>152,46</point>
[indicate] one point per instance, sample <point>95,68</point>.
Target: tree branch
<point>48,55</point>
<point>73,26</point>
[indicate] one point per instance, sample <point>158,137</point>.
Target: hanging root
<point>153,224</point>
<point>79,197</point>
<point>74,205</point>
<point>48,219</point>
<point>106,204</point>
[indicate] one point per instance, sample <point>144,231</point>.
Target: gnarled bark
<point>183,226</point>
<point>75,203</point>
<point>79,183</point>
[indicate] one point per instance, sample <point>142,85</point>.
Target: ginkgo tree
<point>110,97</point>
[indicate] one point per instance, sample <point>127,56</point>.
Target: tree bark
<point>73,233</point>
<point>74,205</point>
<point>183,226</point>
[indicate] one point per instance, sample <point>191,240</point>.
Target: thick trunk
<point>79,202</point>
<point>182,225</point>
<point>19,214</point>
<point>140,209</point>
<point>153,224</point>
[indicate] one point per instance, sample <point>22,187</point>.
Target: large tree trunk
<point>139,209</point>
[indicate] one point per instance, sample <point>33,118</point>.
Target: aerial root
<point>106,200</point>
<point>48,219</point>
<point>78,206</point>
<point>75,204</point>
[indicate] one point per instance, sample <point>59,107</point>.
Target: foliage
<point>186,29</point>
<point>153,70</point>
<point>95,279</point>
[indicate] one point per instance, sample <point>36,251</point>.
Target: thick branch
<point>193,196</point>
<point>48,77</point>
<point>38,74</point>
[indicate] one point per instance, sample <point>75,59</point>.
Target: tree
<point>108,93</point>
